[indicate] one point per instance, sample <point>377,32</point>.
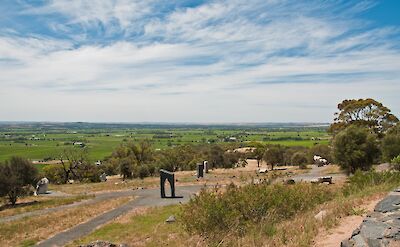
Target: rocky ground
<point>381,227</point>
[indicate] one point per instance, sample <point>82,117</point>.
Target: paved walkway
<point>145,197</point>
<point>315,173</point>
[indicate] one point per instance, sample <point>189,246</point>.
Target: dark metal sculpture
<point>200,170</point>
<point>166,175</point>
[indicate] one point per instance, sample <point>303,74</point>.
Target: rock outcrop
<point>381,227</point>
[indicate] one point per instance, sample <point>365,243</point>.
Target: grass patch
<point>31,203</point>
<point>278,215</point>
<point>30,230</point>
<point>148,229</point>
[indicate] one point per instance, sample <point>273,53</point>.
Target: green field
<point>38,142</point>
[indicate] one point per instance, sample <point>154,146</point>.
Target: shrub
<point>362,181</point>
<point>299,159</point>
<point>391,143</point>
<point>215,215</point>
<point>16,175</point>
<point>54,173</point>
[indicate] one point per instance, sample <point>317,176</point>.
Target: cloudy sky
<point>195,61</point>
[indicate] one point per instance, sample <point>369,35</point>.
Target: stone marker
<point>166,175</point>
<point>103,177</point>
<point>321,215</point>
<point>171,219</point>
<point>200,169</point>
<point>205,163</point>
<point>262,170</point>
<point>42,186</point>
<point>325,180</point>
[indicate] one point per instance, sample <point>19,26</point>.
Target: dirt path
<point>333,237</point>
<point>144,198</point>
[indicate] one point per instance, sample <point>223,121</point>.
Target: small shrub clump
<point>215,215</point>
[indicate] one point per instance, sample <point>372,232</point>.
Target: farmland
<point>45,141</point>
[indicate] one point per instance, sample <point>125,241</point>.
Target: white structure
<point>318,160</point>
<point>42,186</point>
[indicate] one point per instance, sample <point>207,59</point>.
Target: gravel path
<point>145,197</point>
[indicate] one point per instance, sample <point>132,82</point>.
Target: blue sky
<point>195,61</point>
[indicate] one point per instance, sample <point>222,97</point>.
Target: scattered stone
<point>171,219</point>
<point>100,243</point>
<point>321,215</point>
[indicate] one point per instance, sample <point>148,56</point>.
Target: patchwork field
<point>46,143</point>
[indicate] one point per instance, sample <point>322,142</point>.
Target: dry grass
<point>221,176</point>
<point>27,231</point>
<point>32,203</point>
<point>144,227</point>
<point>332,169</point>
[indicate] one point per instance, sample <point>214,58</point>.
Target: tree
<point>355,148</point>
<point>126,168</point>
<point>259,153</point>
<point>274,155</point>
<point>130,157</point>
<point>391,143</point>
<point>15,176</point>
<point>76,165</point>
<point>299,159</point>
<point>363,112</point>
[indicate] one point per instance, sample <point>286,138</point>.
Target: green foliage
<point>391,143</point>
<point>396,163</point>
<point>258,153</point>
<point>299,159</point>
<point>274,155</point>
<point>16,175</point>
<point>362,181</point>
<point>363,113</point>
<point>54,173</point>
<point>215,215</point>
<point>355,148</point>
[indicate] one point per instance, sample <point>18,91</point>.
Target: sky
<point>219,61</point>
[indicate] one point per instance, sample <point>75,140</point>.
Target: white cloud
<point>207,63</point>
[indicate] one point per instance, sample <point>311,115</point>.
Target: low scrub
<point>253,212</point>
<point>369,182</point>
<point>216,215</point>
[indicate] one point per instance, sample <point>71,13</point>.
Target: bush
<point>215,215</point>
<point>299,159</point>
<point>16,176</point>
<point>391,143</point>
<point>355,148</point>
<point>396,163</point>
<point>54,173</point>
<point>362,181</point>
